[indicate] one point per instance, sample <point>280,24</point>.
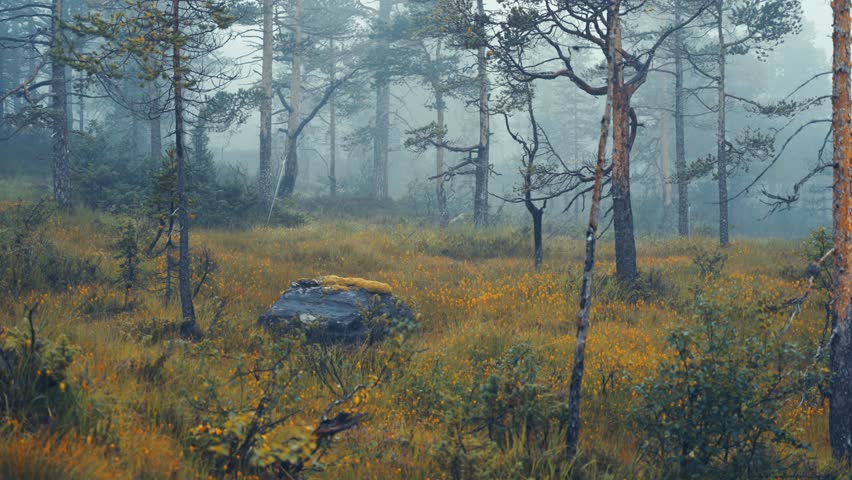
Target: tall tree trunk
<point>382,127</point>
<point>575,387</point>
<point>332,125</point>
<point>59,105</point>
<point>480,193</point>
<point>3,73</point>
<point>332,154</point>
<point>721,142</point>
<point>291,162</point>
<point>265,177</point>
<point>680,134</point>
<point>81,106</point>
<point>665,163</point>
<point>538,244</point>
<point>155,129</point>
<point>625,243</point>
<point>535,212</point>
<point>440,193</point>
<point>840,400</point>
<point>170,262</point>
<point>188,328</point>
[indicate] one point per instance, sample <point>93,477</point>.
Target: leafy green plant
<point>126,250</point>
<point>713,408</point>
<point>815,248</point>
<point>710,264</point>
<point>254,421</point>
<point>507,412</point>
<point>28,259</point>
<point>33,387</point>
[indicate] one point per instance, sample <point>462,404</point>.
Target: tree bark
<point>332,126</point>
<point>577,371</point>
<point>188,328</point>
<point>332,154</point>
<point>265,176</point>
<point>665,162</point>
<point>680,133</point>
<point>155,129</point>
<point>482,170</point>
<point>170,262</point>
<point>382,127</point>
<point>291,163</point>
<point>440,193</point>
<point>81,106</point>
<point>840,400</point>
<point>59,105</point>
<point>721,148</point>
<point>625,244</point>
<point>538,245</point>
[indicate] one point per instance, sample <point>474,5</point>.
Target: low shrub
<point>710,264</point>
<point>469,244</point>
<point>33,384</point>
<point>29,260</point>
<point>713,409</point>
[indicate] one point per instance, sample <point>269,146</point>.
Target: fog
<point>115,106</point>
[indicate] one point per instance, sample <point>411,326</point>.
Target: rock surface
<point>333,309</point>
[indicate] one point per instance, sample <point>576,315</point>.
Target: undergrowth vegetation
<point>698,371</point>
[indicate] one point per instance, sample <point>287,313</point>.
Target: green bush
<point>712,410</point>
<point>249,422</point>
<point>33,386</point>
<point>650,286</point>
<point>29,260</point>
<point>508,412</point>
<point>469,244</point>
<point>710,264</point>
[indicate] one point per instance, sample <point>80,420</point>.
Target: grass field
<point>134,388</point>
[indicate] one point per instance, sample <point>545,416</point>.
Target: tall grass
<point>476,295</point>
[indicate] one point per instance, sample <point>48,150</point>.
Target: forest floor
<point>135,389</point>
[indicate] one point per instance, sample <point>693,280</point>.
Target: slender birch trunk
<point>575,387</point>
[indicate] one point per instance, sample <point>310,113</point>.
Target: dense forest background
<point>575,239</point>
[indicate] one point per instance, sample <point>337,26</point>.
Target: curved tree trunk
<point>577,371</point>
<point>625,244</point>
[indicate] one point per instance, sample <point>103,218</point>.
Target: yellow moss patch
<point>333,282</point>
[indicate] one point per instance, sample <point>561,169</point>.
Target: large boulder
<point>334,309</point>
